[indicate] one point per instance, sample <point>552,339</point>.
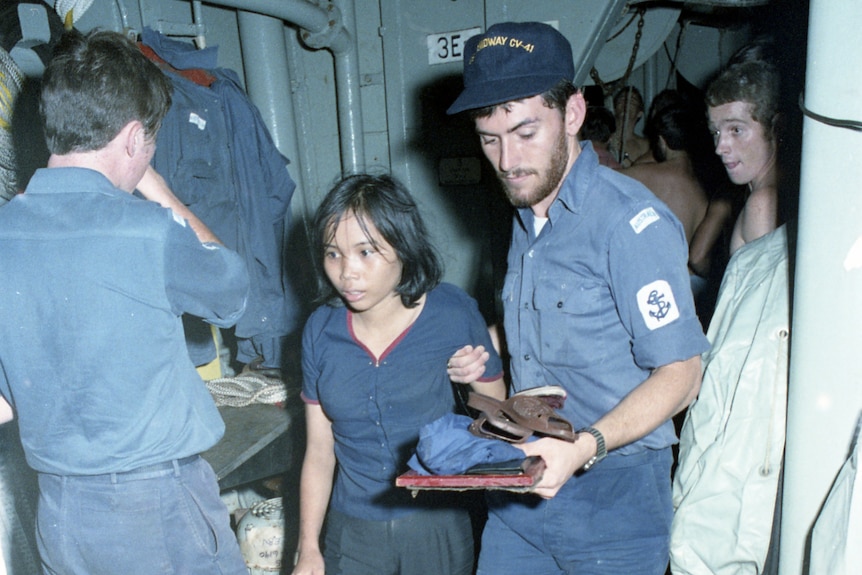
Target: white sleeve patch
<point>657,304</point>
<point>197,121</point>
<point>640,222</point>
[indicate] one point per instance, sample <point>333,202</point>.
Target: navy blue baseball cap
<point>511,61</point>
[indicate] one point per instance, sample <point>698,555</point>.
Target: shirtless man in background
<point>626,145</point>
<point>743,112</point>
<point>672,177</point>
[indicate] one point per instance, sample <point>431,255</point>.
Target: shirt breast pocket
<point>572,318</point>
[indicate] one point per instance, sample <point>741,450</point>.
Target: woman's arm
<point>496,388</point>
<point>315,487</point>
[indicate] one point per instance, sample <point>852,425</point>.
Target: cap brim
<point>499,91</point>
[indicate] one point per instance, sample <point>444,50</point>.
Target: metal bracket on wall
<point>196,29</point>
<point>35,31</point>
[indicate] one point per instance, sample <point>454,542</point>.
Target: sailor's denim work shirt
<point>218,157</point>
<point>601,297</point>
<point>92,350</point>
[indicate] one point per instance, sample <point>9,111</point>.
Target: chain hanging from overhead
<point>594,73</point>
<point>606,89</point>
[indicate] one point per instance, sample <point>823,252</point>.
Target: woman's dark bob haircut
<point>383,202</point>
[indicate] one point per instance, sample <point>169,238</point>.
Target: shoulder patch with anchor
<point>657,304</point>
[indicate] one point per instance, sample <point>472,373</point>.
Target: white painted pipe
<point>825,388</point>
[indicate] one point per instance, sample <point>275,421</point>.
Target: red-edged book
<point>509,476</point>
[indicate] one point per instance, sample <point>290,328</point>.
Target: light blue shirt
<point>92,351</point>
<point>601,297</point>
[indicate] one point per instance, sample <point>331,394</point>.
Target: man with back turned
<point>111,411</point>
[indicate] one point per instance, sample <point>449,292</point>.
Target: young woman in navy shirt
<point>374,362</point>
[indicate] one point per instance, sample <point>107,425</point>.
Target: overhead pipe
<point>347,83</point>
<point>302,105</point>
<point>321,27</point>
<point>266,75</point>
<point>197,20</point>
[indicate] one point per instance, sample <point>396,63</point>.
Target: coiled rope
<point>245,389</point>
<point>11,83</point>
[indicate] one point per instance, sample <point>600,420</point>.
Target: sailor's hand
<point>562,459</point>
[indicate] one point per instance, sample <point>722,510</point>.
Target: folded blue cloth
<point>446,447</point>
